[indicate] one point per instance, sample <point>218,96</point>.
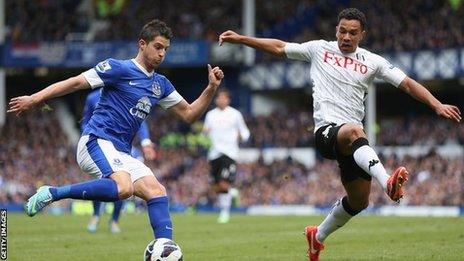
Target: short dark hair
<point>153,29</point>
<point>225,91</point>
<point>352,14</point>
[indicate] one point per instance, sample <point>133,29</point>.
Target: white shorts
<point>99,158</point>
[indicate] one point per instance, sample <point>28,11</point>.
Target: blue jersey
<point>128,94</point>
<point>91,101</point>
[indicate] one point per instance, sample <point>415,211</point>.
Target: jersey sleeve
<point>389,73</point>
<point>242,127</point>
<point>144,134</point>
<point>170,96</point>
<point>301,51</point>
<point>105,73</point>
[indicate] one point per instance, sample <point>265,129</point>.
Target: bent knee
<point>158,190</point>
<point>355,132</point>
<point>347,135</point>
<point>125,191</point>
<point>149,187</point>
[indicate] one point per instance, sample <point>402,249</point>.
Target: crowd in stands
<point>421,130</point>
<point>434,181</point>
<point>31,21</point>
<point>397,25</point>
<point>279,130</point>
<point>35,151</point>
<point>188,19</point>
<point>391,25</point>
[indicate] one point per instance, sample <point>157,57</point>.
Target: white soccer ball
<point>162,249</point>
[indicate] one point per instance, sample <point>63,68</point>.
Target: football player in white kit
<point>225,127</point>
<point>342,72</point>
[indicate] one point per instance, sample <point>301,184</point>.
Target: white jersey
<point>223,127</point>
<point>341,80</point>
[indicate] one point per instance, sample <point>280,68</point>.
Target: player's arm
<point>272,46</point>
<point>419,92</point>
<point>23,103</point>
<point>147,145</point>
<point>244,132</point>
<point>191,112</point>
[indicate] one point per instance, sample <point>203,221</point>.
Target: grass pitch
<point>46,237</point>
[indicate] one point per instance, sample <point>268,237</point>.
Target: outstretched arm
<point>191,112</point>
<point>21,104</point>
<point>419,92</point>
<point>272,46</point>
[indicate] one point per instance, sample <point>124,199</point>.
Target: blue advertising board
<point>79,54</point>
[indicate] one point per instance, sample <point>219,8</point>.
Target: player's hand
<point>229,37</point>
<point>215,76</point>
<point>149,152</point>
<point>20,104</point>
<point>449,111</point>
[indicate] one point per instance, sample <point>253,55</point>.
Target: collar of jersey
<point>149,74</point>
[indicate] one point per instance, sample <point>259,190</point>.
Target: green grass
<point>48,237</point>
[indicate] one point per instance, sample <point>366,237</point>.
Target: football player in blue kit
<point>130,89</point>
<point>149,153</point>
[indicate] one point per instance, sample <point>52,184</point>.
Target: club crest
<point>156,88</point>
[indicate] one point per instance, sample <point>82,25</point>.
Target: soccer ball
<point>162,249</point>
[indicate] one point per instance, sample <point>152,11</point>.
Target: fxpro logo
<point>142,108</point>
<point>344,62</point>
<point>3,234</point>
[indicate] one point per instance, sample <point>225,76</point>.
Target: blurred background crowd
<point>392,25</point>
<point>35,152</point>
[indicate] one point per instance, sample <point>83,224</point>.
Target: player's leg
<point>104,189</point>
<point>235,195</point>
<point>223,170</point>
<point>114,221</point>
<point>356,200</point>
<point>224,201</point>
<point>117,186</point>
<point>92,226</point>
<point>357,185</point>
<point>351,139</point>
<point>96,208</point>
<point>351,175</point>
<point>98,158</point>
<point>149,189</point>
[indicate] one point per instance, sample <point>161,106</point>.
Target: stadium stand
<point>302,20</point>
<point>24,141</point>
<point>435,180</point>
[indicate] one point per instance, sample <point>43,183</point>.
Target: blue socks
<point>158,212</point>
<point>117,210</point>
<point>98,189</point>
<point>96,208</point>
<point>106,190</point>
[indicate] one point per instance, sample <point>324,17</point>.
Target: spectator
<point>422,24</point>
<point>434,180</point>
